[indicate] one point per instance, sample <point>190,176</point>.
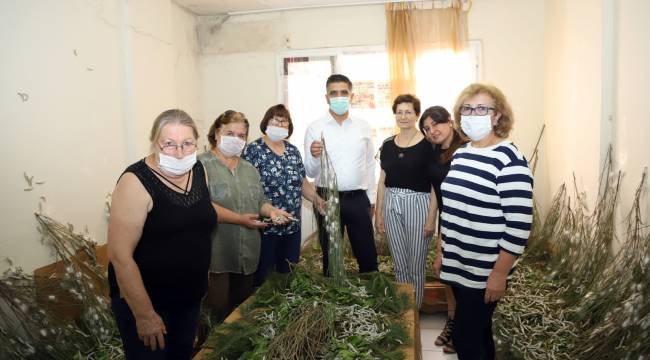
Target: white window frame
<point>475,46</point>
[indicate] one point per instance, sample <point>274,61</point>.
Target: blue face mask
<point>340,105</point>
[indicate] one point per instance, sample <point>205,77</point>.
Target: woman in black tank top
<point>159,244</point>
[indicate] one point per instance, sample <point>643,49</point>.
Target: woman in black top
<point>436,124</point>
<point>159,243</point>
<point>405,204</point>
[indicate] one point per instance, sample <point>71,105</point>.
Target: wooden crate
<point>434,299</point>
<point>411,318</point>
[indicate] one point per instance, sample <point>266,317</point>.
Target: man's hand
<point>316,148</point>
<point>151,331</point>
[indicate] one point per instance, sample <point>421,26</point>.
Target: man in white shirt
<point>349,146</point>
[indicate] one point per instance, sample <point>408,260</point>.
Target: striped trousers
<point>405,212</point>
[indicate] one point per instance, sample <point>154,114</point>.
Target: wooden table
<point>412,322</point>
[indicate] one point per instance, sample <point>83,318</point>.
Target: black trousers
<point>472,335</point>
<point>181,322</point>
<point>355,218</point>
<point>275,255</point>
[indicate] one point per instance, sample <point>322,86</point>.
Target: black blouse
<point>406,168</point>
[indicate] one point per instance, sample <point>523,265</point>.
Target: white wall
<point>573,93</point>
<point>238,65</point>
<point>512,34</point>
<point>97,73</point>
<point>631,94</point>
<point>596,70</point>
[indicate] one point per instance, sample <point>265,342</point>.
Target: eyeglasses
<point>169,147</point>
<point>406,113</point>
<point>478,110</point>
<point>278,121</point>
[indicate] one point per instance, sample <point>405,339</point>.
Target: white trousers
<point>405,212</point>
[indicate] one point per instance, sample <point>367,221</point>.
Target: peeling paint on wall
<point>239,34</point>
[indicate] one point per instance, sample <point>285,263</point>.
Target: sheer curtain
<point>415,31</point>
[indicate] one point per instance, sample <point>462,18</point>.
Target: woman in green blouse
<point>234,184</point>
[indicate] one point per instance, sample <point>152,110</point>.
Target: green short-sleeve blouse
<point>235,248</point>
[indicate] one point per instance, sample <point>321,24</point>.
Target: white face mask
<point>231,145</point>
<point>276,133</point>
<point>476,127</point>
<point>176,167</point>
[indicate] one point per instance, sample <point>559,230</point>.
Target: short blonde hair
<point>501,105</point>
<point>172,116</point>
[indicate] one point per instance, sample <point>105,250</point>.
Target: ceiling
<point>216,7</point>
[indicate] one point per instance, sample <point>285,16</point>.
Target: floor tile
<point>430,327</point>
<point>433,321</point>
<point>431,355</point>
<point>449,356</point>
<point>426,337</point>
<point>437,355</point>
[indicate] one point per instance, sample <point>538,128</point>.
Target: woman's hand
<point>437,265</point>
<point>320,205</point>
<point>496,286</point>
<point>251,221</point>
<point>379,222</point>
<point>151,330</point>
<point>429,227</point>
<point>279,216</point>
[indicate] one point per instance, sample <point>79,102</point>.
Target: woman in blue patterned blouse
<point>283,179</point>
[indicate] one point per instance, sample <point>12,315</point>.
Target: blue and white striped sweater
<point>487,207</point>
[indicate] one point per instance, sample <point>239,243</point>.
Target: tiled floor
<point>430,327</point>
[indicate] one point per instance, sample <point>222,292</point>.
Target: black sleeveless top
<point>173,253</point>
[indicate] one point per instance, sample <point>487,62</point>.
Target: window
<point>440,77</point>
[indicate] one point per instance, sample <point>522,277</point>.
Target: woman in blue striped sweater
<point>486,217</point>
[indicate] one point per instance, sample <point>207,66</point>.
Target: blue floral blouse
<point>281,178</point>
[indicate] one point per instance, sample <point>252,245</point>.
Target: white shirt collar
<point>330,118</point>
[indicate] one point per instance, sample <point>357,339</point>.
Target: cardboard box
<point>51,296</point>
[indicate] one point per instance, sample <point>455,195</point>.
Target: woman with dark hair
<point>438,128</point>
<point>486,217</point>
<point>405,203</point>
<point>282,174</point>
<point>235,185</point>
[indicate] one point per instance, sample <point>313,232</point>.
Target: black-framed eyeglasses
<point>478,110</point>
<point>278,121</point>
<point>169,147</point>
